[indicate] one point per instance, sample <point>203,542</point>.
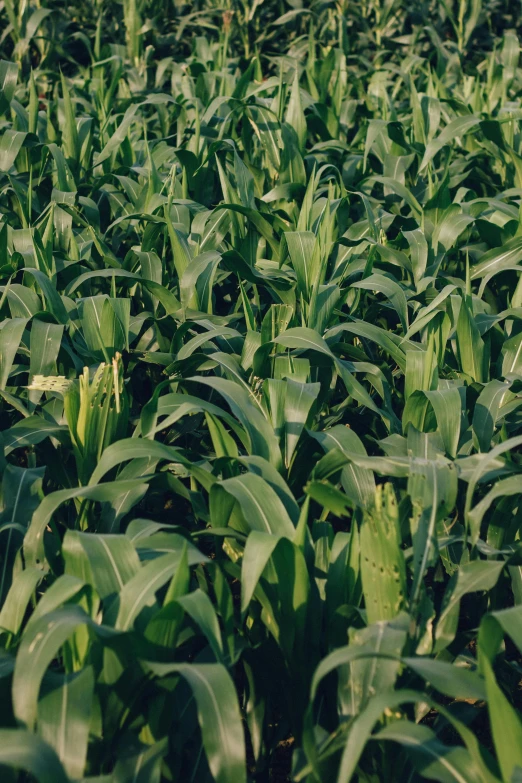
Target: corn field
<point>260,391</point>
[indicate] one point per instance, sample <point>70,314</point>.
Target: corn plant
<point>260,392</point>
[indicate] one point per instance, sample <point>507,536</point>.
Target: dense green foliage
<point>260,391</point>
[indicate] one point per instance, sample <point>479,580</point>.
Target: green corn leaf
<point>431,758</point>
<point>473,576</point>
<point>382,562</point>
<point>218,715</point>
<point>198,605</point>
<point>392,290</point>
<point>299,400</point>
<point>31,431</point>
<point>140,590</point>
<point>10,145</point>
<point>64,714</point>
<point>24,750</point>
<point>261,506</point>
<point>294,113</point>
<point>106,562</point>
<point>17,599</point>
<point>33,542</point>
<point>486,411</point>
<point>421,372</point>
<point>10,338</point>
<point>8,78</point>
<point>471,348</point>
<point>460,126</point>
<point>258,551</point>
<point>358,482</point>
<point>446,403</point>
<point>143,766</point>
<point>40,644</point>
<point>119,134</point>
<point>21,490</point>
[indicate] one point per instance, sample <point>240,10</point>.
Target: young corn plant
<point>260,392</point>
